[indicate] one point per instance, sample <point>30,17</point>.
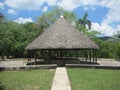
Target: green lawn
<point>94,79</point>
<point>26,80</point>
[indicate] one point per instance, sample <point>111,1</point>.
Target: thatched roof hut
<point>62,35</point>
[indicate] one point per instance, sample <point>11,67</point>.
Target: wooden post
<point>60,53</point>
<point>90,55</point>
<point>35,56</point>
<point>57,53</point>
<point>41,54</point>
<point>28,55</point>
<point>86,55</point>
<point>49,56</point>
<point>68,53</point>
<point>93,55</point>
<point>76,53</point>
<point>45,53</point>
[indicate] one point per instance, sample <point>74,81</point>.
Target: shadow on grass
<point>2,87</point>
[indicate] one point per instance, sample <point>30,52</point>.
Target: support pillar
<point>35,56</point>
<point>76,53</point>
<point>49,56</point>
<point>28,56</point>
<point>61,53</point>
<point>90,55</point>
<point>93,56</point>
<point>86,55</point>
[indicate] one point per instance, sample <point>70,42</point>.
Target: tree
<point>1,17</point>
<point>15,37</point>
<point>2,33</point>
<point>50,17</point>
<point>83,22</point>
<point>117,34</point>
<point>118,51</point>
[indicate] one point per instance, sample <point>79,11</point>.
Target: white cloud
<point>45,9</point>
<point>105,29</point>
<point>114,10</point>
<point>51,2</point>
<point>113,6</point>
<point>35,5</point>
<point>67,4</point>
<point>72,4</point>
<point>23,20</point>
<point>24,4</point>
<point>111,17</point>
<point>1,5</point>
<point>28,4</point>
<point>11,11</point>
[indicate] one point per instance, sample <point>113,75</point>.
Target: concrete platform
<point>91,66</point>
<point>30,67</point>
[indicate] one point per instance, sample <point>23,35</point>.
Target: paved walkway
<point>61,81</point>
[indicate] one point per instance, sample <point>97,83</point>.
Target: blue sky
<point>104,14</point>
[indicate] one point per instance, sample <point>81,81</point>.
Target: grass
<point>26,80</point>
<point>94,79</point>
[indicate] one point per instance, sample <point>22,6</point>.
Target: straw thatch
<point>62,35</point>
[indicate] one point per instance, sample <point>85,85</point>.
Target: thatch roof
<point>62,35</point>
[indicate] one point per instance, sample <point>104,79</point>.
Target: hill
<point>109,39</point>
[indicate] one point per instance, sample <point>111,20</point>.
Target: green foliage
<point>118,51</point>
<point>84,22</point>
<point>27,80</point>
<point>84,25</point>
<point>117,34</point>
<point>15,37</point>
<point>94,79</point>
<point>108,49</point>
<point>50,17</point>
<point>90,33</point>
<point>2,17</point>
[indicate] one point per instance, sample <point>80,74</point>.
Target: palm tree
<point>84,22</point>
